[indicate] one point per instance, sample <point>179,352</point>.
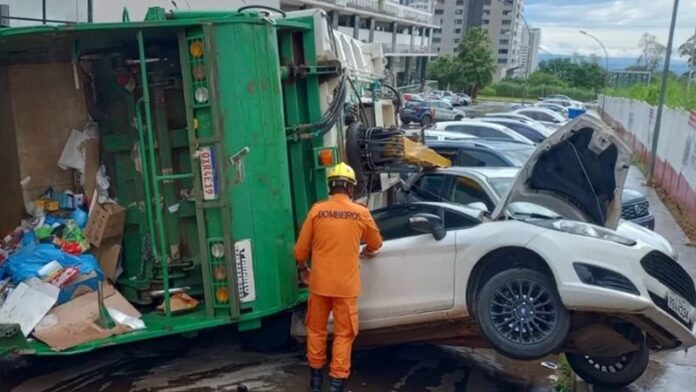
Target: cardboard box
<point>105,221</point>
<point>75,322</point>
<point>108,255</point>
<point>83,284</point>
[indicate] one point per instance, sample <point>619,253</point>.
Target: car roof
<point>494,144</point>
<point>471,212</point>
<point>440,125</point>
<point>482,172</point>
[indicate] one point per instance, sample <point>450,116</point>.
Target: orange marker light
<point>222,295</point>
<point>198,72</point>
<point>326,157</point>
<point>196,49</point>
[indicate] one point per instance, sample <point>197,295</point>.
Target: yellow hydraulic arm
<point>420,155</point>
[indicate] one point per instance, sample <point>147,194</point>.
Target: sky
<point>619,24</point>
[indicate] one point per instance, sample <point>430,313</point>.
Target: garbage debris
<point>75,322</point>
<point>105,221</point>
<point>28,304</point>
<point>179,303</point>
<point>26,262</point>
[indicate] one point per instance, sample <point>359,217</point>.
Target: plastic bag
<point>27,261</point>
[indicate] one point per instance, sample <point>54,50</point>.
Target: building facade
<point>403,30</point>
<point>502,19</point>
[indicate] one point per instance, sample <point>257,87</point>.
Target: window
<point>436,40</point>
<point>478,158</point>
<point>528,132</point>
<point>439,12</point>
<point>467,191</point>
<point>458,12</point>
<point>506,22</point>
<point>502,51</point>
<point>502,61</point>
<point>506,12</point>
<point>539,116</point>
<point>485,21</point>
<point>504,41</point>
<point>460,2</point>
<point>455,221</point>
<point>505,32</point>
<point>459,21</point>
<point>429,187</point>
<point>457,31</point>
<point>456,41</point>
<point>393,222</point>
<point>478,131</point>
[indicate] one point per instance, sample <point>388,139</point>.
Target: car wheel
<point>426,120</point>
<point>458,118</point>
<point>611,372</point>
<point>521,314</point>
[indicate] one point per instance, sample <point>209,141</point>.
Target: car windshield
<point>501,186</point>
<point>518,156</point>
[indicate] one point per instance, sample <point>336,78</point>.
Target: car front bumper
<point>562,250</point>
<point>647,221</point>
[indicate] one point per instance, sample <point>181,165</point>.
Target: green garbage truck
<point>214,130</point>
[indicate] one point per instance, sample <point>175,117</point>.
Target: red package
<point>71,247</point>
<point>64,276</point>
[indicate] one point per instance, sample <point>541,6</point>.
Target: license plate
<point>678,305</point>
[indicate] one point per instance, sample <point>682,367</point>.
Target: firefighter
<point>331,234</point>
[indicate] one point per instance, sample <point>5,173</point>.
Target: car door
<point>413,273</point>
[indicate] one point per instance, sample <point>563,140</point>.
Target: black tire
<point>504,306</point>
<point>426,120</point>
<point>404,121</point>
<point>611,372</point>
<point>458,118</point>
<point>273,336</point>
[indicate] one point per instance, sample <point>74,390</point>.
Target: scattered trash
<point>549,365</point>
<point>122,318</point>
<point>28,304</point>
<point>26,262</point>
<point>105,221</point>
<point>73,156</point>
<point>179,303</point>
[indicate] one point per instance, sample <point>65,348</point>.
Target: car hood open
<point>578,172</point>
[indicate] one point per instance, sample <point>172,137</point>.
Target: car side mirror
<point>428,223</point>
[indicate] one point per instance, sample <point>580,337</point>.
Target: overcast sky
<point>619,24</point>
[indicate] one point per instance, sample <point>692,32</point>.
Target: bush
<point>676,96</point>
<point>515,90</point>
<point>488,91</point>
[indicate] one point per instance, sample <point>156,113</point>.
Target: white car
<point>445,136</point>
<point>520,117</point>
<point>545,116</point>
<point>482,129</point>
<point>530,287</point>
<point>566,102</point>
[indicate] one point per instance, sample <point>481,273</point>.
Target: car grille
<point>671,274</point>
<point>662,304</point>
<point>635,210</point>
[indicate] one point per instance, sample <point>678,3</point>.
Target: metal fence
<point>675,169</point>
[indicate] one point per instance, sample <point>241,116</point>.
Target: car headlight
<point>584,229</point>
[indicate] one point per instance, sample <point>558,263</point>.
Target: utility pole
<point>663,91</point>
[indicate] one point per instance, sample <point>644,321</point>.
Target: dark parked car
<point>429,112</point>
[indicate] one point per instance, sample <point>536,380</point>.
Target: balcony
<point>383,7</point>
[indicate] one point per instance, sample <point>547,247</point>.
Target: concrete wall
<point>675,169</point>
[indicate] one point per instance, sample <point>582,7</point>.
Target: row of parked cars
<point>531,237</point>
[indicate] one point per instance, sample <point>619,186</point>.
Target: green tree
<point>540,78</point>
<point>583,74</point>
<point>446,70</point>
<point>688,50</point>
<point>652,52</point>
<point>476,61</point>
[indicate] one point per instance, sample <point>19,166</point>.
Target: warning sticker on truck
<point>245,271</point>
<point>208,178</point>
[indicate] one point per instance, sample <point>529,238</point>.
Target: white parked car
<point>445,136</point>
<point>533,286</point>
<point>545,116</point>
<point>482,129</point>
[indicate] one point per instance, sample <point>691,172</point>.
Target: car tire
<point>426,120</point>
<point>521,314</point>
<point>611,372</point>
<point>458,118</point>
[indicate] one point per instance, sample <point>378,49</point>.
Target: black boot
<point>316,379</point>
<point>337,385</point>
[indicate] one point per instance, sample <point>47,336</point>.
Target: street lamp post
<point>663,92</point>
<point>606,59</point>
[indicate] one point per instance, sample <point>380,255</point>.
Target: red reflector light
<point>326,157</point>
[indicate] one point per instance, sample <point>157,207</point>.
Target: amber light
<point>198,72</point>
<point>222,295</point>
<point>196,49</point>
<point>326,157</point>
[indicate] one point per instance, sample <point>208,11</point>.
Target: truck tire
<point>426,120</point>
<point>521,314</point>
<point>273,336</point>
<point>610,372</point>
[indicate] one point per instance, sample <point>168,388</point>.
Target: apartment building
<point>403,30</point>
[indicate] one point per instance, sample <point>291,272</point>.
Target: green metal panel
<point>251,114</point>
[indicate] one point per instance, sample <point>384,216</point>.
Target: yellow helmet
<point>342,172</point>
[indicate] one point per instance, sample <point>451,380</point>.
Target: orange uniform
<point>332,234</point>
